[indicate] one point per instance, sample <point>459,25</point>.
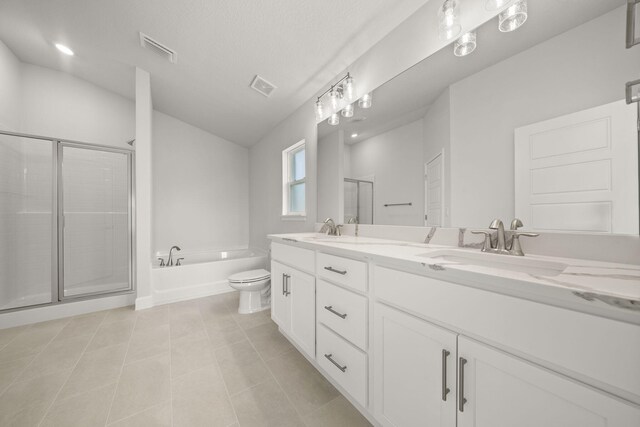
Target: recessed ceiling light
<point>64,49</point>
<point>353,135</point>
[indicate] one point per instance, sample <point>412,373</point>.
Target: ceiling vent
<point>262,86</point>
<point>157,47</point>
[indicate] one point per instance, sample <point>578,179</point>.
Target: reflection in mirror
<point>533,124</point>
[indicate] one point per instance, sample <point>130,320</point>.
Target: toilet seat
<point>250,276</point>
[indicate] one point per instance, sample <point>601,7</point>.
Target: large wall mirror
<point>532,124</point>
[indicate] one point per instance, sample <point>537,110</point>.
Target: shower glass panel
<point>94,201</point>
<point>358,201</point>
<point>26,221</point>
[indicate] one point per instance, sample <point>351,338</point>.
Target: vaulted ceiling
<point>298,45</point>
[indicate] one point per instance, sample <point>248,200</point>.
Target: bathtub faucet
<point>170,260</point>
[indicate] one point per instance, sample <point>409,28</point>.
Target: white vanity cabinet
<point>415,371</point>
<point>293,298</point>
<point>500,390</point>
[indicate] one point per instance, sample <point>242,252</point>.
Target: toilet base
<point>252,302</point>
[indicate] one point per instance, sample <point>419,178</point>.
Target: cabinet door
<point>415,368</point>
<point>280,306</point>
<point>302,297</point>
<point>504,391</point>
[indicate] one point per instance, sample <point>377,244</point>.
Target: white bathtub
<point>202,274</point>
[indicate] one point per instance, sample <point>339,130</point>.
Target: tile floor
<point>186,364</point>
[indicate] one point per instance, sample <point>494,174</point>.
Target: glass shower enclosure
<point>358,201</point>
<point>65,220</point>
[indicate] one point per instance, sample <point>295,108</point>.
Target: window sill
<point>293,217</point>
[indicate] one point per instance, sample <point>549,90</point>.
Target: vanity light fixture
<point>513,17</point>
<point>449,20</point>
<point>347,111</point>
<point>354,135</point>
<point>343,89</point>
<point>64,49</point>
<point>365,101</point>
<point>465,44</point>
<point>334,119</point>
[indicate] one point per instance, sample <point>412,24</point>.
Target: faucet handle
<point>486,246</point>
<point>516,249</point>
<point>339,229</point>
<point>161,262</point>
<point>178,261</point>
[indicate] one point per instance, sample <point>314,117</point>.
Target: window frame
<point>288,182</point>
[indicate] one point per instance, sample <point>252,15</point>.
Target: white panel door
<point>415,369</point>
<point>280,303</point>
<point>433,189</point>
<point>500,390</point>
<point>302,298</point>
<point>579,172</point>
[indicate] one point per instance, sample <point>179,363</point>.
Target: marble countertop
<point>601,285</point>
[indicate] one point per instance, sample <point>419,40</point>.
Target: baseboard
<point>27,315</point>
<point>184,294</point>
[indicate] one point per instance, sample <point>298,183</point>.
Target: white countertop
<point>602,285</point>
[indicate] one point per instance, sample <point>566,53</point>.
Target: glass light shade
<point>334,119</point>
<point>347,111</point>
<point>348,89</point>
<point>465,44</point>
<point>334,99</point>
<point>365,101</point>
<point>319,110</point>
<point>513,17</point>
<point>493,5</point>
<point>449,20</point>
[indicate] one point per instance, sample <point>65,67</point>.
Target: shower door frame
<point>57,226</point>
<point>357,182</point>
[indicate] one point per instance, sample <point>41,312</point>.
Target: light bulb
<point>365,101</point>
<point>334,99</point>
<point>319,110</point>
<point>347,111</point>
<point>448,20</point>
<point>348,89</point>
<point>334,119</point>
<point>513,17</point>
<point>354,135</point>
<point>465,44</point>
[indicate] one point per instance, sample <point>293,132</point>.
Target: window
<point>293,180</point>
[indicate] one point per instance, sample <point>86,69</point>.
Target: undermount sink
<point>522,264</point>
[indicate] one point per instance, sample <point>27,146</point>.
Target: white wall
<point>200,187</point>
<point>10,87</point>
<point>63,106</point>
<point>437,139</point>
<point>582,68</point>
<point>395,160</point>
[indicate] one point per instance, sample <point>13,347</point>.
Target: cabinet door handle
<point>445,389</point>
<point>329,356</point>
<point>333,270</point>
<point>461,399</point>
<point>284,291</point>
<point>330,308</point>
<point>287,280</point>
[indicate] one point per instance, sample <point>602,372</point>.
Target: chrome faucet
<point>330,228</point>
<point>170,260</point>
<point>500,244</point>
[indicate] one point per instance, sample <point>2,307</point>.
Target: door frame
<point>442,192</point>
<point>56,270</point>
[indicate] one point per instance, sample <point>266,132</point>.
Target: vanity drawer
<point>592,349</point>
<point>344,363</point>
<point>302,259</point>
<point>344,271</point>
<point>343,311</point>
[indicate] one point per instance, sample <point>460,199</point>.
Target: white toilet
<point>254,287</point>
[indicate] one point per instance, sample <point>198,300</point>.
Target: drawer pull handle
<point>330,308</point>
<point>461,399</point>
<point>333,270</point>
<point>329,356</point>
<point>287,279</point>
<point>445,389</point>
<point>284,288</point>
